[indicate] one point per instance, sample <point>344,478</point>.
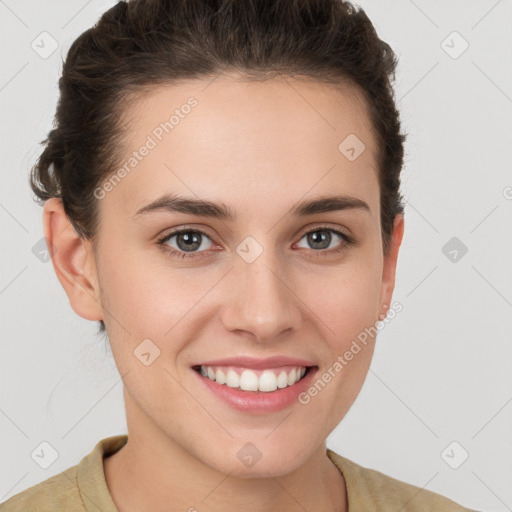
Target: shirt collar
<point>96,495</point>
<point>91,476</point>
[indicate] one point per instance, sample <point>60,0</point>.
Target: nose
<point>262,303</point>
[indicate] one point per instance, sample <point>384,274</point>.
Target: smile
<point>263,380</point>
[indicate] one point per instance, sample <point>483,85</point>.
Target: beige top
<point>82,488</point>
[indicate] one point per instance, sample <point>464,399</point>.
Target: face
<point>250,277</point>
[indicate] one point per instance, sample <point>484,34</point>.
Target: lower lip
<point>259,401</point>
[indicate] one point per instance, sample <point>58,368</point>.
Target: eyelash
<point>347,241</point>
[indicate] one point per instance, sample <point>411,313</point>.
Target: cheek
<point>345,303</point>
<point>147,300</point>
<point>345,299</point>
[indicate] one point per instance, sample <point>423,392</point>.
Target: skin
<point>259,148</point>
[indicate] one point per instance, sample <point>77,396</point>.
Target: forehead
<point>280,135</point>
<point>302,105</point>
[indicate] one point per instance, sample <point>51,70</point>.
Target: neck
<point>155,478</point>
<point>154,473</point>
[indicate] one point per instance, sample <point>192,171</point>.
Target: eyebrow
<point>172,203</point>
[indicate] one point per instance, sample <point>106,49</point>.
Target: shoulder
<point>369,489</point>
<point>69,490</point>
<point>59,492</point>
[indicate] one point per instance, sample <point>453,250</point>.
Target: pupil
<point>191,240</point>
<point>324,236</point>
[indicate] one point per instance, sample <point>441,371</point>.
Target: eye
<point>320,240</point>
<point>188,241</point>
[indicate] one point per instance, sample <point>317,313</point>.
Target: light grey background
<point>441,370</point>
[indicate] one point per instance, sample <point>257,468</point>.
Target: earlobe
<point>73,261</point>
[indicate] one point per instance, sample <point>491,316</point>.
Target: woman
<point>221,193</point>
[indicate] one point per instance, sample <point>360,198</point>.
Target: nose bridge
<point>261,302</point>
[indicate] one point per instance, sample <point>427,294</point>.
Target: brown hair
<point>141,43</point>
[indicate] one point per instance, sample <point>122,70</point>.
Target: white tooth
<point>268,381</point>
<point>220,377</point>
<point>232,379</point>
<point>249,381</point>
<point>282,380</point>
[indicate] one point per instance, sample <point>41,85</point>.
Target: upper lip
<point>258,364</point>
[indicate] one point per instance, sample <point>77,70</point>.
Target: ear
<point>73,261</point>
<point>389,267</point>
